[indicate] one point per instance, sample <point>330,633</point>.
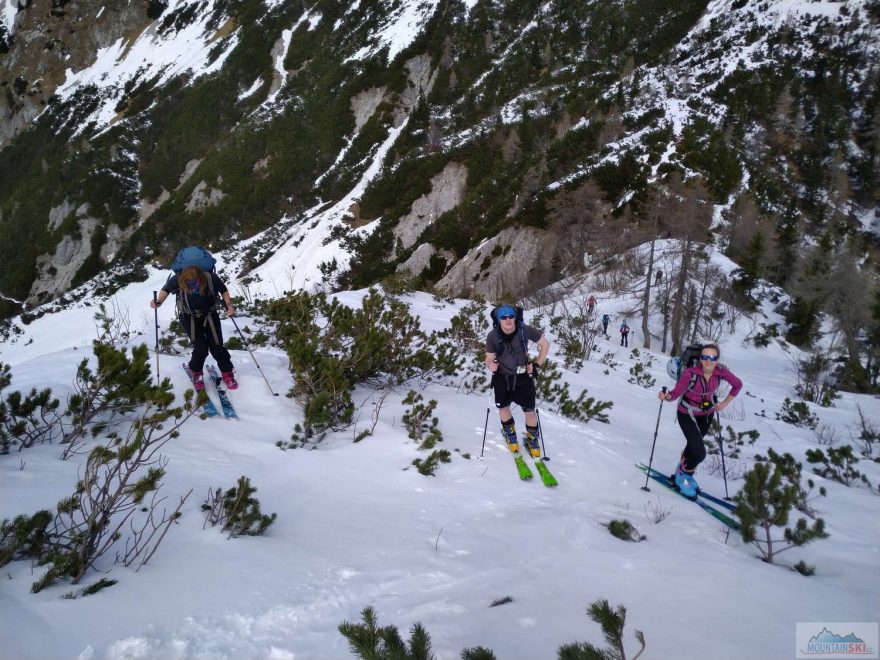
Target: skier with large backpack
<point>624,334</point>
<point>514,372</point>
<point>699,377</point>
<point>200,294</point>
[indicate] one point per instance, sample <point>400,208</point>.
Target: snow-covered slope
<point>358,526</point>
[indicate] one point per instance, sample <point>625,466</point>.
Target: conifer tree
<point>612,622</point>
<point>765,502</point>
<point>370,642</point>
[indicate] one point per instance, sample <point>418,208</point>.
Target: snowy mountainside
<point>460,141</point>
<point>358,526</point>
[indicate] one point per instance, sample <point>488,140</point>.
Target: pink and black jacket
<point>697,393</point>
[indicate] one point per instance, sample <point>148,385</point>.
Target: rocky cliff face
<point>483,146</point>
<point>47,39</point>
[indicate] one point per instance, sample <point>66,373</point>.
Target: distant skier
<point>591,305</point>
<point>697,386</point>
<point>514,372</point>
<point>624,334</point>
<point>605,321</point>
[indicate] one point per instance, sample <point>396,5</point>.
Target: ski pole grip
<point>663,389</point>
<point>155,299</point>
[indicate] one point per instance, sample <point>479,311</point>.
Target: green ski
<point>548,479</point>
<point>524,472</point>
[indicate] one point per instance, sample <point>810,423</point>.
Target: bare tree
<point>689,223</point>
<point>646,298</point>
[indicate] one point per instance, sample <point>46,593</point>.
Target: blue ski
<point>730,506</point>
<point>712,511</point>
<point>207,407</point>
<point>228,410</point>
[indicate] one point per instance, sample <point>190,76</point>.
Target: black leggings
<point>206,337</point>
<point>694,429</point>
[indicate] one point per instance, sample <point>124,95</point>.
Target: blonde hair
<point>192,273</point>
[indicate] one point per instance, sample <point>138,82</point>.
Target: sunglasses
<point>507,317</point>
<point>713,358</point>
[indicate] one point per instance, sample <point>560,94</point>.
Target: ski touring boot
<point>532,444</point>
<point>508,430</point>
<point>198,379</point>
<point>229,379</point>
<point>686,483</point>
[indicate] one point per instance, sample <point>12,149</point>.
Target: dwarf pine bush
<point>110,500</point>
<point>550,389</point>
<point>466,337</point>
<point>332,348</point>
<point>791,469</point>
<point>369,641</point>
<point>24,537</point>
<point>639,375</point>
<point>419,422</point>
<point>429,465</point>
<point>27,419</point>
<point>612,622</point>
<point>838,465</point>
<point>797,413</point>
<point>108,389</point>
<point>625,531</point>
<point>765,502</point>
<point>237,510</point>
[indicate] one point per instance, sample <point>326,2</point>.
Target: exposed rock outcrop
<point>511,264</point>
<point>49,38</point>
<point>447,191</point>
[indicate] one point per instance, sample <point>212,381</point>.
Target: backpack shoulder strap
<point>499,343</point>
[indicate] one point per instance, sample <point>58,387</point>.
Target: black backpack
<point>689,357</point>
<point>520,330</point>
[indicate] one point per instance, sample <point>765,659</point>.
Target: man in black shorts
<point>513,374</point>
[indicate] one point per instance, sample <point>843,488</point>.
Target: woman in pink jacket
<point>697,386</point>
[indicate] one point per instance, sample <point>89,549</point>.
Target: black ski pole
<point>723,466</point>
<point>541,433</point>
<point>653,444</point>
<point>485,428</point>
<point>156,321</point>
<point>274,393</point>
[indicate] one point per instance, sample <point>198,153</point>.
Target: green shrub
<point>418,421</point>
<point>332,348</point>
<point>765,502</point>
<point>612,622</point>
<point>797,413</point>
<point>430,464</point>
<point>804,569</point>
<point>838,465</point>
<point>624,530</point>
<point>24,537</point>
<point>237,510</point>
<point>370,642</point>
<point>551,390</point>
